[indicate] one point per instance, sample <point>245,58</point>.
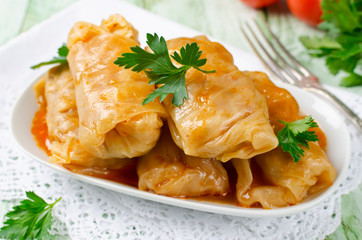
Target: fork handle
<point>350,115</point>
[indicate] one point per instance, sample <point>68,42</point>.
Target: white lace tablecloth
<point>89,212</point>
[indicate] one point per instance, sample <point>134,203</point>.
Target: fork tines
<point>273,54</point>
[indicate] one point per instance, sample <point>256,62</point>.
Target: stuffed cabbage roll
<point>273,179</point>
<point>113,121</point>
<point>167,170</point>
<point>281,104</point>
<point>279,182</point>
<point>63,123</point>
<point>225,116</point>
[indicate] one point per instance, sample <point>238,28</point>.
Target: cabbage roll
<point>281,104</point>
<point>63,123</point>
<point>225,116</point>
<point>284,182</point>
<point>113,121</point>
<point>273,179</point>
<point>167,170</point>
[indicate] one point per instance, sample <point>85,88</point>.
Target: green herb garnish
<point>29,220</point>
<point>62,58</point>
<point>295,134</point>
<point>342,45</point>
<point>160,69</point>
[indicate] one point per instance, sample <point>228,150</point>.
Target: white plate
<point>37,49</point>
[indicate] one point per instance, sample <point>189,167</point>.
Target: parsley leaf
<point>29,220</point>
<point>160,69</point>
<point>295,134</point>
<point>61,58</point>
<point>342,45</point>
<point>351,80</point>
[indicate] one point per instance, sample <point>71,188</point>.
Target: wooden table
<point>221,20</point>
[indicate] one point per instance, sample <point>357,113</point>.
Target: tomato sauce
<point>127,175</point>
<point>39,127</point>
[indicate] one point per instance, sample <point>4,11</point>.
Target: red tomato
<point>308,11</point>
<point>259,3</point>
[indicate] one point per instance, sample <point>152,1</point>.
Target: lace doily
<point>89,212</point>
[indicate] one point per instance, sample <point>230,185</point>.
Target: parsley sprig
<point>295,134</point>
<point>160,69</point>
<point>30,220</point>
<point>61,58</point>
<point>342,44</point>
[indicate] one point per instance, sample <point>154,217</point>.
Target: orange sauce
<point>127,175</point>
<point>229,198</point>
<point>40,130</point>
<point>39,127</point>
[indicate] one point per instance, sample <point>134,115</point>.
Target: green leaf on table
<point>336,64</point>
<point>29,220</point>
<point>344,15</point>
<point>60,59</point>
<point>319,47</point>
<point>295,134</point>
<point>160,69</point>
<point>319,43</point>
<point>351,80</point>
<point>342,44</point>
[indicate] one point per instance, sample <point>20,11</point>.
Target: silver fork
<point>288,69</point>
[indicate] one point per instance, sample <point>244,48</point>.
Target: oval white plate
<point>21,119</point>
<point>338,150</point>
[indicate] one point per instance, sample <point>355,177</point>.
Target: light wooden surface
<point>220,19</point>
